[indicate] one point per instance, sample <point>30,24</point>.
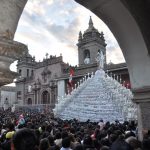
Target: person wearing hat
<point>6,145</point>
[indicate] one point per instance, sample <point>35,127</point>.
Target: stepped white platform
<point>97,97</point>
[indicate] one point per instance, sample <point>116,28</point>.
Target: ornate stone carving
<point>6,77</point>
<point>7,34</point>
<point>9,52</point>
<point>11,48</point>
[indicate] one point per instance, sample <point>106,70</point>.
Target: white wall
<point>61,88</point>
<point>10,95</point>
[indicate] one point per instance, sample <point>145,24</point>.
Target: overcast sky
<point>52,26</point>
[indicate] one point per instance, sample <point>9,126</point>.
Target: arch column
<point>142,99</point>
<point>125,19</point>
<point>9,50</point>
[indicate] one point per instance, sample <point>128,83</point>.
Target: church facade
<point>37,82</point>
<point>44,82</point>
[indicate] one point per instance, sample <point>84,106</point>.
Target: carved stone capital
<point>9,51</point>
<point>12,49</point>
<point>141,95</point>
<point>7,77</point>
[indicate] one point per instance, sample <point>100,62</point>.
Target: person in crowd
<point>120,144</point>
<point>134,143</point>
<point>44,144</point>
<point>146,143</point>
<point>24,139</point>
<point>88,143</point>
<point>66,144</point>
<point>6,145</point>
<point>79,147</point>
<point>41,131</point>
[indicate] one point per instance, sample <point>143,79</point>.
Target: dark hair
<point>146,144</point>
<point>24,139</point>
<point>64,134</point>
<point>88,140</point>
<point>44,144</point>
<point>112,138</point>
<point>51,140</point>
<point>79,147</point>
<point>72,130</point>
<point>11,126</point>
<point>66,142</point>
<point>121,145</point>
<point>58,135</point>
<point>105,142</point>
<point>105,148</point>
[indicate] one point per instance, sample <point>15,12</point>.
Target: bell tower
<point>26,66</point>
<point>89,44</point>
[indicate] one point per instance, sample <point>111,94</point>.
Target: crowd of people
<point>24,130</point>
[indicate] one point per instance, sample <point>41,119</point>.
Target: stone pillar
<point>142,99</point>
<point>10,50</point>
<point>10,11</point>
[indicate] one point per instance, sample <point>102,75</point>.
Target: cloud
<point>35,4</point>
<point>53,25</point>
<point>64,34</point>
<point>35,7</point>
<point>115,55</point>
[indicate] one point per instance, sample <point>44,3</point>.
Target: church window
<point>20,71</point>
<point>29,101</point>
<point>27,72</point>
<point>18,94</point>
<point>86,57</point>
<point>86,53</point>
<point>32,73</point>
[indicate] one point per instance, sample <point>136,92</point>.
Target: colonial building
<point>37,81</point>
<point>44,82</point>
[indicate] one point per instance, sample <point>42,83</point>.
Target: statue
<point>29,88</point>
<point>100,59</point>
<point>6,104</point>
<point>87,59</point>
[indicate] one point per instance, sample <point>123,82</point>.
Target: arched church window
<point>86,57</point>
<point>32,73</point>
<point>27,72</point>
<point>29,101</point>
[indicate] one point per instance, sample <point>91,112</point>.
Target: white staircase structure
<point>97,97</point>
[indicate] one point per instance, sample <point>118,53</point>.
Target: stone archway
<point>129,20</point>
<point>45,97</point>
<point>10,50</point>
